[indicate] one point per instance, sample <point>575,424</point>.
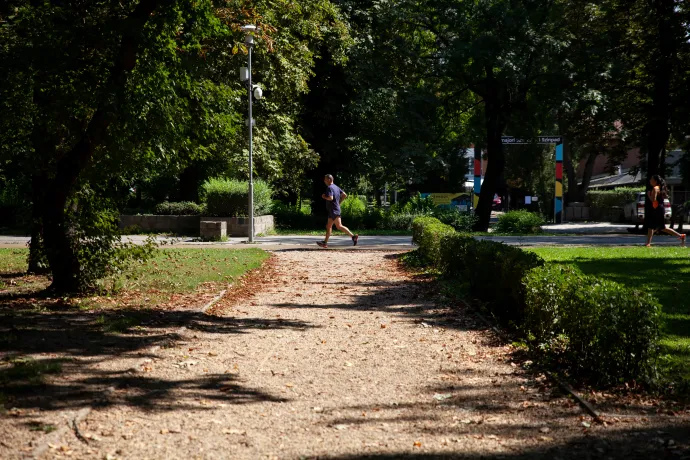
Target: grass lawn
<point>170,272</point>
<point>322,232</point>
<point>662,271</point>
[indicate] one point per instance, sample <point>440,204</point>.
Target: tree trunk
<point>60,249</point>
<point>495,124</point>
<point>587,175</point>
<point>189,183</point>
<point>37,257</point>
<point>572,194</point>
<point>657,130</point>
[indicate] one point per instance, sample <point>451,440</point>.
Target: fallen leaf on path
<point>441,397</point>
<point>340,427</point>
<point>545,429</point>
<point>233,431</point>
<point>417,444</point>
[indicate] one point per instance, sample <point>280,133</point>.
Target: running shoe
<point>354,240</point>
<point>322,244</point>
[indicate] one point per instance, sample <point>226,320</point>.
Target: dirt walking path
<point>340,355</point>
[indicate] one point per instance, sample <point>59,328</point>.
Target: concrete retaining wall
<point>189,225</point>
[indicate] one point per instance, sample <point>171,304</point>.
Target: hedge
<point>427,232</point>
<point>596,329</point>
<point>592,327</point>
<point>519,222</point>
<point>230,198</point>
<point>616,198</point>
<point>181,208</point>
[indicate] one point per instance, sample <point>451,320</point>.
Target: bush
<point>182,208</point>
<point>591,327</point>
<point>519,222</point>
<point>495,272</point>
<point>353,209</point>
<point>452,261</point>
<point>616,198</point>
<point>230,198</point>
<point>427,232</point>
<point>293,218</point>
<point>460,221</point>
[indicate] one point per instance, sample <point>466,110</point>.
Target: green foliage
<point>230,197</point>
<point>461,221</point>
<point>616,198</point>
<point>353,208</point>
<point>417,205</point>
<point>519,222</point>
<point>494,272</point>
<point>427,233</point>
<point>181,208</point>
<point>288,217</point>
<point>594,328</point>
<point>418,226</point>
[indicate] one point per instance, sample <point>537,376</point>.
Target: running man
<point>333,196</point>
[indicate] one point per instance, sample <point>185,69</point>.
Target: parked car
<point>634,211</point>
<point>497,202</point>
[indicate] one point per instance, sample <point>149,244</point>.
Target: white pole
<point>251,146</point>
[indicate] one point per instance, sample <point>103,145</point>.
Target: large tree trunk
<point>657,130</point>
<point>60,249</point>
<point>37,259</point>
<point>495,124</point>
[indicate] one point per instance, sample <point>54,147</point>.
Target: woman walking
<point>656,220</point>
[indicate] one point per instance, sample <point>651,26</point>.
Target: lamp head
<point>249,28</point>
<point>258,93</point>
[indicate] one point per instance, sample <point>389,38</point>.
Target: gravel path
<point>342,355</point>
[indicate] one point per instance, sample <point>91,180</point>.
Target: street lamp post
<point>246,75</point>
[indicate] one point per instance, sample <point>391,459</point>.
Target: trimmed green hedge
<point>230,198</point>
<point>519,222</point>
<point>181,208</point>
<point>427,232</point>
<point>616,198</point>
<point>591,328</point>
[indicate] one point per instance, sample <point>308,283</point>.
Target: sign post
<point>558,140</point>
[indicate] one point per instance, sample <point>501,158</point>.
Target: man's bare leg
<point>329,229</point>
<point>339,225</point>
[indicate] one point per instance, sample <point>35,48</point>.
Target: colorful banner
<point>558,202</point>
<point>477,175</point>
<point>460,201</point>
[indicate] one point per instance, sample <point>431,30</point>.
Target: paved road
<point>388,242</point>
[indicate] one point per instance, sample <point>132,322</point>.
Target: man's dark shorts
<point>333,216</point>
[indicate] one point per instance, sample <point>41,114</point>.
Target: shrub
<point>418,226</point>
<point>519,222</point>
<point>616,198</point>
<point>230,198</point>
<point>182,208</point>
<point>353,209</point>
<point>401,221</point>
<point>427,233</point>
<point>453,255</point>
<point>460,221</point>
<point>419,205</point>
<point>291,217</point>
<point>494,272</point>
<point>591,327</point>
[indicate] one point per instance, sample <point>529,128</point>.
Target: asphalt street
<point>383,242</point>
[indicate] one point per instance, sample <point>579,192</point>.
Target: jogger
<point>334,195</point>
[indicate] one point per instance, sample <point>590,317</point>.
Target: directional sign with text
<point>536,140</point>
